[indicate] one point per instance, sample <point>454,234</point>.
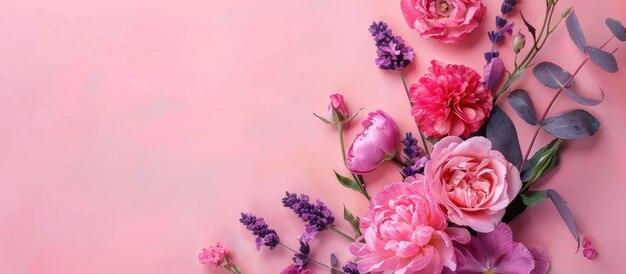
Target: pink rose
<point>450,100</point>
<point>374,145</point>
<point>405,231</point>
<point>448,21</point>
<point>472,182</point>
<point>337,104</point>
<point>291,269</point>
<point>214,255</point>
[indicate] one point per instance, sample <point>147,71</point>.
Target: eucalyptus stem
<point>311,259</point>
<point>408,96</point>
<point>545,113</point>
<point>538,42</point>
<point>341,233</point>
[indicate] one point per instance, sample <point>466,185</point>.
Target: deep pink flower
<point>450,100</point>
<point>374,145</point>
<point>495,253</point>
<point>471,181</point>
<point>337,104</point>
<point>448,21</point>
<point>214,255</point>
<point>405,231</point>
<point>291,269</point>
<point>589,252</point>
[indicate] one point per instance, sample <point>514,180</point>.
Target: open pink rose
<point>472,182</point>
<point>405,231</point>
<point>448,21</point>
<point>450,100</point>
<point>374,145</point>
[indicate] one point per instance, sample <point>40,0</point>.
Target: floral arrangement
<point>465,177</point>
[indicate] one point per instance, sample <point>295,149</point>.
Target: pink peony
<point>405,231</point>
<point>450,100</point>
<point>472,182</point>
<point>448,21</point>
<point>374,145</point>
<point>337,104</point>
<point>214,255</point>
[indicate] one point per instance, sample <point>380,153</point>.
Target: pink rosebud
<point>586,242</point>
<point>337,108</point>
<point>374,145</point>
<point>590,253</point>
<point>519,41</point>
<point>493,72</point>
<point>214,255</point>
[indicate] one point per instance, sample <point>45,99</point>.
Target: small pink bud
<point>337,108</point>
<point>590,253</point>
<point>519,41</point>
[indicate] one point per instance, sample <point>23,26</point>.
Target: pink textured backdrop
<point>134,132</point>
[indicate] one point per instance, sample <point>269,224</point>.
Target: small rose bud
<point>566,12</point>
<point>337,108</point>
<point>519,41</point>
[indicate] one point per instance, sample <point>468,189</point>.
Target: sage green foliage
<point>354,222</point>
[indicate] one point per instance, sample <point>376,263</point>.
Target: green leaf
<point>347,182</point>
<point>354,221</point>
<point>542,162</point>
<point>353,116</point>
<point>322,118</point>
<point>533,198</point>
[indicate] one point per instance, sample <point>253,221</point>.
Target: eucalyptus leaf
<point>575,31</point>
<point>573,124</point>
<point>333,260</point>
<point>617,28</point>
<point>353,221</point>
<point>322,118</point>
<point>552,75</point>
<point>503,136</point>
<point>566,214</point>
<point>604,60</point>
<point>582,99</point>
<point>533,198</point>
<point>530,27</point>
<point>514,209</point>
<point>523,106</point>
<point>347,182</point>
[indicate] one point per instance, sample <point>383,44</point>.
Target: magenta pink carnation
<point>448,21</point>
<point>405,231</point>
<point>214,255</point>
<point>471,181</point>
<point>450,100</point>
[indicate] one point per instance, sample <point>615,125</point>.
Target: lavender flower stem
<point>340,233</point>
<point>408,96</point>
<point>311,259</point>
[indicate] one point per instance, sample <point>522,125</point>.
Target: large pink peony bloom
<point>448,21</point>
<point>472,182</point>
<point>405,231</point>
<point>450,100</point>
<point>374,145</point>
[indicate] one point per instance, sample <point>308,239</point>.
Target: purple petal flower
<point>392,53</point>
<point>351,268</point>
<point>317,216</point>
<point>495,252</point>
<point>258,227</point>
<point>492,72</point>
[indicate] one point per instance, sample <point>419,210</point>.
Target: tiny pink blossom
<point>337,104</point>
<point>214,255</point>
<point>590,253</point>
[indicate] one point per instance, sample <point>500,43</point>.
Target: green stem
<point>341,233</point>
<point>408,96</point>
<point>311,259</point>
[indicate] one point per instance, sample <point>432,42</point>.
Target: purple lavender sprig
<point>301,259</point>
<point>392,52</point>
<point>258,227</point>
<point>351,268</point>
<point>415,156</point>
<point>317,216</point>
<point>502,27</point>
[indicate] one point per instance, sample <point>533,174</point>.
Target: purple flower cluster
<point>392,53</point>
<point>351,268</point>
<point>502,26</point>
<point>317,216</point>
<point>416,158</point>
<point>258,227</point>
<point>301,259</point>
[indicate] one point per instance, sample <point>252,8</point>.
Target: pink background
<point>134,132</point>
